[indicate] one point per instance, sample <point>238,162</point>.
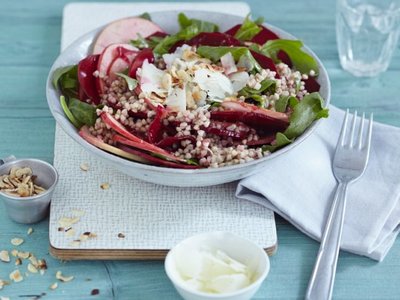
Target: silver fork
<point>349,163</point>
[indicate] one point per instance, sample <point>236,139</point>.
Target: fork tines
<point>364,139</point>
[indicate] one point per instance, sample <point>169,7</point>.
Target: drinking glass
<point>367,32</point>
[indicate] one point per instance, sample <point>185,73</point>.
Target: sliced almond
<point>105,186</point>
<point>54,286</point>
<point>16,276</point>
<point>3,283</point>
<point>34,260</point>
<point>84,167</point>
<point>23,255</point>
<point>17,241</point>
<point>14,252</point>
<point>75,243</point>
<point>70,232</point>
<point>62,278</point>
<point>4,256</point>
<point>42,264</point>
<point>32,268</point>
<point>30,231</point>
<point>18,262</point>
<point>67,222</point>
<point>78,212</point>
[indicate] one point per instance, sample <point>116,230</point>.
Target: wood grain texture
<point>29,42</point>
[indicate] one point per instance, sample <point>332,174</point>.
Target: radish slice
<point>246,107</point>
<point>124,30</point>
<point>119,65</point>
<point>107,58</point>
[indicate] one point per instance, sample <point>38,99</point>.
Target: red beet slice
<point>260,38</point>
<point>137,63</point>
<point>154,134</point>
<point>236,130</point>
<point>87,81</point>
<point>170,140</point>
<point>311,85</point>
<point>265,62</point>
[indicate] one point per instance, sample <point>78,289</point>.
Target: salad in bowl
<point>199,97</point>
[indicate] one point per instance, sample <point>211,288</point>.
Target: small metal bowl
<point>31,209</point>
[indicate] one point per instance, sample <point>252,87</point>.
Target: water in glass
<point>367,33</point>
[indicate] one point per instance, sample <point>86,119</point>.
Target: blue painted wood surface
<point>30,41</point>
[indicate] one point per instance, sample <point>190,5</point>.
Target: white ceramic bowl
<point>168,176</point>
<point>238,248</point>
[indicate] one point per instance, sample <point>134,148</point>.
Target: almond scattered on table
<point>4,256</point>
<point>16,276</point>
<point>32,268</point>
<point>30,231</point>
<point>54,286</point>
<point>63,278</point>
<point>23,255</point>
<point>121,235</point>
<point>105,185</point>
<point>3,283</point>
<point>65,222</point>
<point>20,183</point>
<point>18,262</point>
<point>84,167</point>
<point>17,241</point>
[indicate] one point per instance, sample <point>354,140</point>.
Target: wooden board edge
<point>119,254</point>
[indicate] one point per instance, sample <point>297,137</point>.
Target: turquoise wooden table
<point>30,41</point>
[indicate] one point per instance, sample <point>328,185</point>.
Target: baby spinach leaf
<point>165,44</point>
<point>282,103</point>
<point>239,54</point>
<point>131,82</point>
<point>309,109</point>
<point>202,26</point>
<point>280,141</point>
<point>248,30</point>
<point>145,15</point>
<point>70,116</point>
<point>66,79</point>
<point>58,73</point>
<point>301,60</point>
<point>83,112</point>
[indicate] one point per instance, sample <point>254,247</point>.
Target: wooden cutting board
<point>134,219</point>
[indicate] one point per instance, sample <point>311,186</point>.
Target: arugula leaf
<point>282,103</point>
<point>66,79</point>
<point>70,116</point>
<point>309,109</point>
<point>306,111</point>
<point>145,15</point>
<point>131,82</point>
<point>240,54</point>
<point>140,42</point>
<point>280,141</point>
<point>267,85</point>
<point>301,60</point>
<point>202,26</point>
<point>83,112</point>
<point>189,29</point>
<point>248,30</point>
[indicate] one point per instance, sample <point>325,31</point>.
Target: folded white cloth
<point>300,185</point>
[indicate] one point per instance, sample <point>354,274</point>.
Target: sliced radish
<point>130,139</point>
<point>124,30</point>
<point>119,65</point>
<point>87,136</point>
<point>125,52</point>
<point>246,107</point>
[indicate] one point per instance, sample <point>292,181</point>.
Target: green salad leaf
<point>247,30</point>
<point>189,29</point>
<point>131,82</point>
<point>83,112</point>
<point>240,54</point>
<point>68,113</point>
<point>306,111</point>
<point>66,79</point>
<point>145,15</point>
<point>267,85</point>
<point>140,42</point>
<point>284,101</point>
<point>301,60</point>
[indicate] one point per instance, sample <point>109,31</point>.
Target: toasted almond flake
<point>30,230</point>
<point>67,222</point>
<point>78,212</point>
<point>84,167</point>
<point>121,235</point>
<point>23,255</point>
<point>34,260</point>
<point>14,252</point>
<point>4,256</point>
<point>54,286</point>
<point>16,276</point>
<point>17,241</point>
<point>62,278</point>
<point>42,264</point>
<point>105,186</point>
<point>32,268</point>
<point>70,232</point>
<point>3,283</point>
<point>18,261</point>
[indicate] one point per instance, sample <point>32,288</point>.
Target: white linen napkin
<point>300,185</point>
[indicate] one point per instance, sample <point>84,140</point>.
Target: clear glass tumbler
<point>367,32</point>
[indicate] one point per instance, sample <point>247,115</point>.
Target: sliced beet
<point>283,57</point>
<point>311,85</point>
<point>137,63</point>
<point>155,160</point>
<point>265,62</point>
<point>87,81</point>
<point>237,130</point>
<point>171,140</point>
<point>264,36</point>
<point>160,34</point>
<point>155,131</point>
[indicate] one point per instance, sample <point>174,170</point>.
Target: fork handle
<point>323,275</point>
